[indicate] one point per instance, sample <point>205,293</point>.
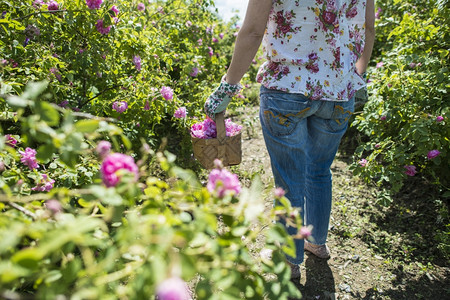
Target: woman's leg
<point>283,120</point>
<point>325,130</point>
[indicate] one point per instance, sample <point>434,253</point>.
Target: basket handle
<point>220,126</point>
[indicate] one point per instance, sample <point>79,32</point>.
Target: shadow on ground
<point>317,280</point>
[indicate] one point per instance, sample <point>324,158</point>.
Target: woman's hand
<point>221,97</point>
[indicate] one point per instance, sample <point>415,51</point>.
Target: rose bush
<point>139,227</point>
<point>134,61</point>
<point>405,124</point>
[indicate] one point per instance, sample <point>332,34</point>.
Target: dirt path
<point>368,261</point>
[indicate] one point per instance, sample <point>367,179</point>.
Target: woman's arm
<point>249,39</point>
<point>363,61</point>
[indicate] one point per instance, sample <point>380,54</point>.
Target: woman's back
<point>312,46</point>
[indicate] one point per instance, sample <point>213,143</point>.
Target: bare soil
<point>376,252</point>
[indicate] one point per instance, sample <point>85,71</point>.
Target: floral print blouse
<point>312,46</point>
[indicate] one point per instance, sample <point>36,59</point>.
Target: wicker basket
<point>227,149</point>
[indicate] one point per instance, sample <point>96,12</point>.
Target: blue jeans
<point>302,137</point>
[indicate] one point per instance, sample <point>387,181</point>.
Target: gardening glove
<point>361,95</point>
<point>221,97</point>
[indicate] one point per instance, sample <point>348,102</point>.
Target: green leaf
<point>107,195</point>
<point>187,266</point>
<point>15,101</point>
<point>83,203</point>
<point>34,89</point>
<point>47,112</point>
<point>126,141</point>
<point>10,272</point>
<point>186,175</point>
<point>52,276</point>
<point>69,158</point>
<point>5,88</point>
<point>45,152</point>
<point>87,126</point>
<point>28,258</point>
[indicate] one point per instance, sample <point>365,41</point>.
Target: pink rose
<point>94,4</point>
<point>363,162</point>
<point>120,106</point>
<point>103,148</point>
<point>45,184</point>
<point>52,5</point>
<point>167,92</point>
<point>410,170</point>
<point>114,165</point>
<point>141,6</point>
<point>305,232</point>
<point>222,183</point>
<point>147,105</point>
<point>29,158</point>
<point>180,113</point>
<point>194,72</point>
<point>101,28</point>
<point>115,10</point>
<point>53,206</point>
<point>10,140</point>
<point>173,288</point>
<point>137,62</point>
<point>433,154</point>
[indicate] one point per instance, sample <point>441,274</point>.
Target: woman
<point>317,52</point>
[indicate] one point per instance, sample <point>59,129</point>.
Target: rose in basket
<point>207,129</point>
<point>212,142</point>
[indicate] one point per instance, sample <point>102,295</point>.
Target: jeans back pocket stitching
<point>341,109</point>
<point>283,118</point>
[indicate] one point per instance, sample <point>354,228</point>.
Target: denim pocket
<point>281,112</point>
<point>341,114</point>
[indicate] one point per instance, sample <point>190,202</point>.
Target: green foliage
<point>121,242</point>
<point>89,71</point>
<point>408,112</point>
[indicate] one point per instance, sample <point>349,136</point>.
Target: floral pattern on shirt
<point>312,46</point>
<point>284,21</point>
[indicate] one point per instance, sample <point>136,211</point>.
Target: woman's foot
<point>321,251</point>
<point>295,271</point>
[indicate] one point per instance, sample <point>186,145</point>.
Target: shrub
<point>116,54</point>
<point>133,234</point>
<point>407,115</point>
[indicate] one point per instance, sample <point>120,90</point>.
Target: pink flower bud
<point>363,162</point>
<point>410,170</point>
<point>279,192</point>
<point>103,148</point>
<point>141,6</point>
<point>173,288</point>
<point>54,206</point>
<point>305,232</point>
